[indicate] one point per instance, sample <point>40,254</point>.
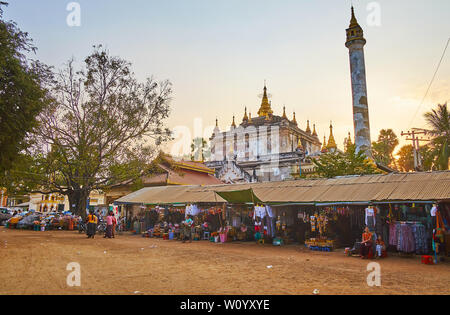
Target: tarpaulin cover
<point>239,196</point>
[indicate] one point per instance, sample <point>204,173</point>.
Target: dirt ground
<point>35,263</point>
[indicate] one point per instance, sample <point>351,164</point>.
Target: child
<point>381,247</point>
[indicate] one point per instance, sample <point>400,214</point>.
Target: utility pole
<point>414,137</point>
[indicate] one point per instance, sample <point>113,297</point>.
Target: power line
<point>431,83</point>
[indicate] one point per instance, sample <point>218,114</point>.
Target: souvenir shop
<point>167,221</point>
<point>417,228</point>
<point>329,226</point>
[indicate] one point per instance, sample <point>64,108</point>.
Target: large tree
<point>103,128</point>
<point>439,121</point>
<point>405,159</point>
<point>384,147</point>
<point>338,163</point>
<point>22,91</point>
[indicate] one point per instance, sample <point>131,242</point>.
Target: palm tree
<point>439,121</point>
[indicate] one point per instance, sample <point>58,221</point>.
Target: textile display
<point>409,237</point>
<point>393,240</point>
<point>420,237</point>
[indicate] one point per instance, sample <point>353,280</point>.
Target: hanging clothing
<point>192,210</point>
<point>269,211</point>
<point>370,218</point>
<point>259,212</point>
<point>421,239</point>
<point>406,241</point>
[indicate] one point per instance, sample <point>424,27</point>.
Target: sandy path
<point>35,263</point>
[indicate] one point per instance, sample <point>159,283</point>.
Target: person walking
<point>109,225</point>
<point>114,221</point>
<point>92,224</point>
<point>189,225</point>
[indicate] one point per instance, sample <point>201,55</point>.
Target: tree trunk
<point>78,202</point>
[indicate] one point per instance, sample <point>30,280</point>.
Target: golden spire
<point>354,31</point>
<point>353,21</point>
<point>308,129</point>
<point>331,141</point>
<point>299,145</point>
<point>233,124</point>
<point>294,120</point>
<point>314,131</point>
<point>349,140</point>
<point>265,108</point>
<point>245,116</point>
<point>284,113</point>
<point>217,122</point>
<point>324,146</point>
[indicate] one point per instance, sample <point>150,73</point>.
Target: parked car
<point>28,221</point>
<point>5,215</point>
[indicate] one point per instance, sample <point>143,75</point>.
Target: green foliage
<point>439,121</point>
<point>22,90</point>
<point>428,155</point>
<point>384,147</point>
<point>102,128</point>
<point>405,159</point>
<point>338,163</point>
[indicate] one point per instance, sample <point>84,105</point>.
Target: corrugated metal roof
<point>427,186</point>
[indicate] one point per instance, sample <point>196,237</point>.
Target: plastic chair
<point>206,235</point>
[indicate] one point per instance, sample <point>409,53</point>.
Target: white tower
<point>355,43</point>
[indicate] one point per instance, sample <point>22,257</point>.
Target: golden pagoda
<point>349,140</point>
<point>331,142</point>
<point>265,108</point>
<point>299,145</point>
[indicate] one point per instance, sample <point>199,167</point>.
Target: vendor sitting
<point>366,243</point>
<point>242,233</point>
<point>381,247</point>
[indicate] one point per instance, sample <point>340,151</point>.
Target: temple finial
<point>245,116</point>
<point>265,105</point>
<point>308,129</point>
<point>284,113</point>
<point>331,141</point>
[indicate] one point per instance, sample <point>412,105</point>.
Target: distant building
<point>167,171</point>
<point>274,148</point>
<point>265,148</point>
<point>56,202</point>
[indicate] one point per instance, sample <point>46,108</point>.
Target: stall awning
<point>239,196</point>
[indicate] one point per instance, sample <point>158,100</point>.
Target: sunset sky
<point>217,54</point>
